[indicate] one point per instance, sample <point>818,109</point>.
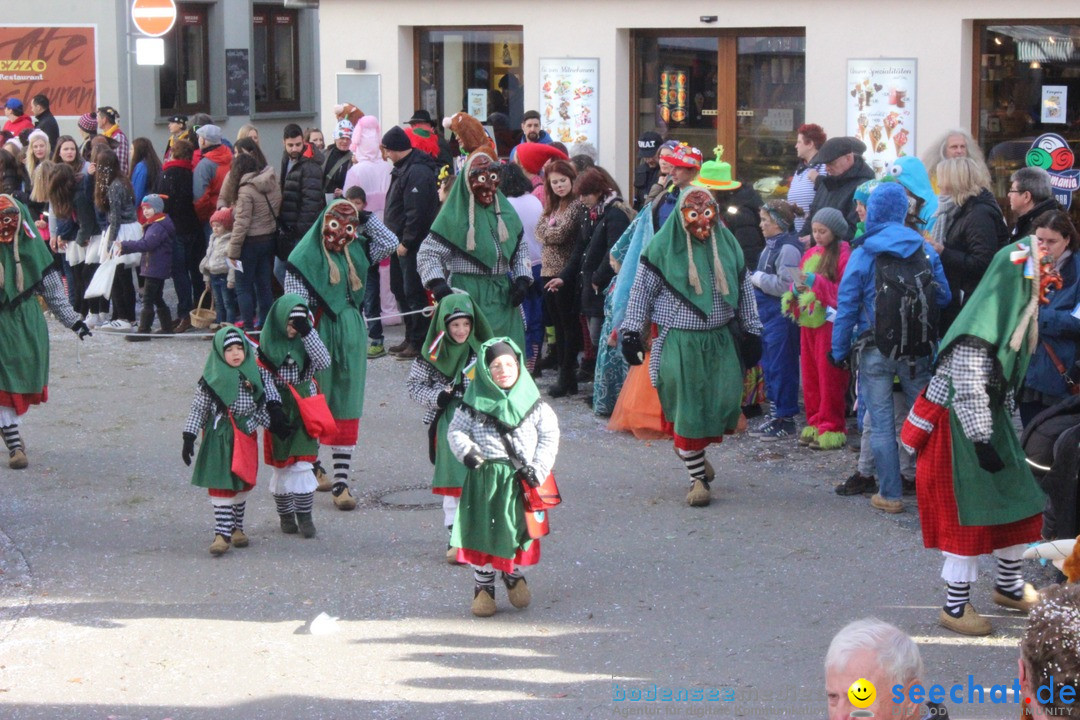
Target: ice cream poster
<point>1054,99</point>
<point>568,99</point>
<point>1051,153</point>
<point>880,95</point>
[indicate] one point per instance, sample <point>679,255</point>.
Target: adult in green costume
<point>325,269</point>
<point>438,380</point>
<point>475,245</point>
<point>976,493</point>
<point>692,283</point>
<point>27,268</point>
<point>290,354</point>
<point>229,405</point>
<point>505,435</point>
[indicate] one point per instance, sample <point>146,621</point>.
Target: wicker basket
<point>202,317</point>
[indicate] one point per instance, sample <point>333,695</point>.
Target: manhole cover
<point>412,497</point>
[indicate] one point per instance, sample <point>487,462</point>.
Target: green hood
<point>224,381</point>
<point>993,313</point>
<point>274,342</point>
<point>440,350</point>
<point>34,257</point>
<point>667,254</point>
<point>507,407</point>
<point>460,214</point>
<point>311,261</point>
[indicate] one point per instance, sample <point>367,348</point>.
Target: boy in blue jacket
<point>886,234</point>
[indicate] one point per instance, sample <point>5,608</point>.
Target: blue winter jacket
<point>1060,330</point>
<point>855,298</point>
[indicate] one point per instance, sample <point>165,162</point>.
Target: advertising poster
<point>1054,98</point>
<point>568,99</point>
<point>881,95</point>
<point>58,60</point>
<point>1052,153</point>
<point>672,97</point>
<point>478,103</point>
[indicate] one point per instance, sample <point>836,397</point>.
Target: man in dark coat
<point>39,108</point>
<point>177,186</point>
<point>648,168</point>
<point>842,158</point>
<point>412,202</point>
<point>1030,195</point>
<point>302,197</point>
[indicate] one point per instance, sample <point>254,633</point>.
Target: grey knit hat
<point>834,220</point>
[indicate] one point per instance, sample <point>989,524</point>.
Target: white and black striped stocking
<point>342,457</point>
<point>303,501</point>
<point>285,504</point>
<point>694,460</point>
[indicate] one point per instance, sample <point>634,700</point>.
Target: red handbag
<point>315,413</point>
<point>542,497</point>
<point>245,454</point>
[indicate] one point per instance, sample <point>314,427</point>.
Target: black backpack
<point>905,310</point>
<point>1051,443</point>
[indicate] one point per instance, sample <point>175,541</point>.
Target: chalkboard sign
<point>237,97</point>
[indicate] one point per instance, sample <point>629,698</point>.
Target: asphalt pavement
<point>111,606</point>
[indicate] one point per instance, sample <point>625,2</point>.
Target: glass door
<point>677,89</point>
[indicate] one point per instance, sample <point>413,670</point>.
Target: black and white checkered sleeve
<point>432,260</point>
<point>643,294</point>
<point>295,284</point>
<point>272,394</point>
<point>317,353</point>
<point>970,368</point>
<point>52,290</point>
<point>202,405</point>
<point>425,383</point>
<point>748,314</point>
<point>382,240</point>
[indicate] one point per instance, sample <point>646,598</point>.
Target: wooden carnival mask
<point>699,214</point>
<point>483,179</point>
<point>9,220</point>
<point>339,226</point>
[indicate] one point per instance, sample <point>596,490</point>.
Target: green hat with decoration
<point>716,174</point>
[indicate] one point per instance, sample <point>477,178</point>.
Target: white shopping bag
<point>102,282</point>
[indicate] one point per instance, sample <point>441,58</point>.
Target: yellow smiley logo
<point>862,693</point>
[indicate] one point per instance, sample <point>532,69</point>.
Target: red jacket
<point>217,160</point>
<point>17,125</point>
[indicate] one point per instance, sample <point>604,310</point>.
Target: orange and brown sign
<point>59,61</point>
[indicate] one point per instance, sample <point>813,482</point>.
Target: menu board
<point>568,99</point>
<point>672,97</point>
<point>880,95</point>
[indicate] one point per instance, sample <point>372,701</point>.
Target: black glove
<point>301,325</point>
<point>473,459</point>
<point>444,399</point>
<point>632,349</point>
<point>844,364</point>
<point>439,288</point>
<point>750,349</point>
<point>520,288</point>
<point>989,460</point>
<point>279,425</point>
<point>80,329</point>
<point>527,475</point>
<point>189,448</point>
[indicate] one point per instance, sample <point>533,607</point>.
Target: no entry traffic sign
<point>153,17</point>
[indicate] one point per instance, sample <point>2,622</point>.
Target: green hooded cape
<point>312,262</point>
<point>667,255</point>
<point>34,256</point>
<point>507,407</point>
<point>274,342</point>
<point>447,356</point>
<point>453,222</point>
<point>990,317</point>
<point>223,380</point>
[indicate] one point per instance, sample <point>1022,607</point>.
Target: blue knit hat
<point>888,203</point>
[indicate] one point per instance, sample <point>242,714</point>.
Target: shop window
<point>184,79</point>
<point>741,89</point>
<point>1028,84</point>
<point>276,59</point>
<point>475,70</point>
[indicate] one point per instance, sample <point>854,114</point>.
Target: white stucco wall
<point>936,32</point>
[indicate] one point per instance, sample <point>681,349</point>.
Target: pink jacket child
<point>809,303</point>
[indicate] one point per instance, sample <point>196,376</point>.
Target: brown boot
<point>239,539</point>
<point>344,499</point>
<point>483,604</point>
<point>970,623</point>
<point>323,480</point>
<point>17,460</point>
<point>517,590</point>
<point>699,495</point>
<point>1025,602</point>
<point>219,546</point>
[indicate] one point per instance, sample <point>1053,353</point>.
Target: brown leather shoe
<point>325,483</point>
<point>407,353</point>
<point>1025,603</point>
<point>182,325</point>
<point>345,501</point>
<point>17,460</point>
<point>398,348</point>
<point>483,603</point>
<point>219,546</point>
<point>970,623</point>
<point>699,495</point>
<point>239,539</point>
<point>517,591</point>
<point>889,506</point>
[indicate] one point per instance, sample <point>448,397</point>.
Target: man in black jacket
<point>302,198</point>
<point>39,108</point>
<point>412,202</point>
<point>176,185</point>
<point>843,161</point>
<point>1030,195</point>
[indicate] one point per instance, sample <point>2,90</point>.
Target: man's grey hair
<point>1034,180</point>
<point>935,151</point>
<point>896,653</point>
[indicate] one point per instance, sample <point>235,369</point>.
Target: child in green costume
<point>290,355</point>
<point>505,435</point>
<point>438,380</point>
<point>229,404</point>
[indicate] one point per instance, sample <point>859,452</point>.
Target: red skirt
<point>938,513</point>
<point>21,402</point>
<point>507,565</point>
<point>347,432</point>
